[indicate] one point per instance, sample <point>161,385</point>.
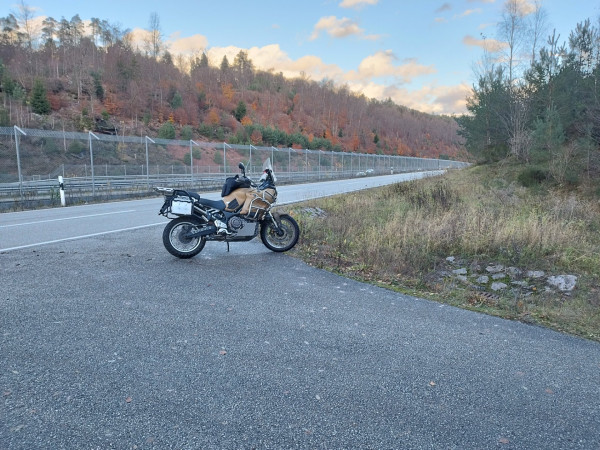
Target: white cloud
<point>430,99</point>
<point>468,12</point>
<point>335,27</point>
<point>490,45</point>
<point>357,3</point>
<point>525,7</point>
<point>381,64</point>
<point>188,45</point>
<point>139,37</point>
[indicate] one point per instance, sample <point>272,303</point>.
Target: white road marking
<point>79,237</point>
<point>67,218</point>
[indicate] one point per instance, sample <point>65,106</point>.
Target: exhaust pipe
<point>201,232</point>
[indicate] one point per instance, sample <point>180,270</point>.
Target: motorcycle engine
<point>241,227</point>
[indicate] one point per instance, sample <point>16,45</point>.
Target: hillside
<point>79,81</point>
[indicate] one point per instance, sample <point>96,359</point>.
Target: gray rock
<point>535,273</point>
<point>450,259</point>
<point>514,272</point>
<point>461,271</point>
<point>483,279</point>
<point>498,276</point>
<point>563,283</point>
<point>494,269</point>
<point>498,286</point>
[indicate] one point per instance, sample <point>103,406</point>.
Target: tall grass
<point>401,233</point>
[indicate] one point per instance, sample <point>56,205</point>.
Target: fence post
<point>192,161</point>
<point>306,163</point>
<point>272,158</point>
<point>92,161</point>
<point>250,160</point>
<point>148,162</point>
<point>19,159</point>
<point>225,144</point>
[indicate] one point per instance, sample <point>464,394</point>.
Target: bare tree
<point>25,17</point>
<point>538,27</point>
<point>512,30</point>
<point>154,43</point>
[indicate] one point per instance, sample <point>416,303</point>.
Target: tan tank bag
<point>239,195</point>
<point>257,202</point>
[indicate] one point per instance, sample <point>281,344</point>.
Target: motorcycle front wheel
<point>177,242</point>
<point>283,239</point>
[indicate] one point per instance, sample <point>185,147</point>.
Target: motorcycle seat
<point>217,204</point>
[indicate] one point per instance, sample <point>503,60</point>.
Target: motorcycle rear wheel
<point>175,241</point>
<point>286,239</point>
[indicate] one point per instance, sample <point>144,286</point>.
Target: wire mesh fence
<point>31,160</point>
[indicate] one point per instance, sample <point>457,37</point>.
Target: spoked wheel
<point>177,242</point>
<point>283,239</point>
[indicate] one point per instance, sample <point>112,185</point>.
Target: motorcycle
<point>244,211</point>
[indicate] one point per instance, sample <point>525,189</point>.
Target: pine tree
<point>240,111</point>
<point>39,98</point>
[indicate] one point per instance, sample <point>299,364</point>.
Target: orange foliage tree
<point>213,117</point>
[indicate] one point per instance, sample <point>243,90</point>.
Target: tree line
<point>538,104</point>
<point>76,76</point>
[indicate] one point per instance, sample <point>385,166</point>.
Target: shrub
<point>167,131</point>
<point>532,176</point>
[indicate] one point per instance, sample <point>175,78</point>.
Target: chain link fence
<point>113,166</point>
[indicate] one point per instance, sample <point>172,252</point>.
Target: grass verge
<point>417,237</point>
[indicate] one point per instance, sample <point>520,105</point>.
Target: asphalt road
<point>39,227</point>
<point>110,342</point>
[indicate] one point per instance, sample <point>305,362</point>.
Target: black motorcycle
<point>244,211</point>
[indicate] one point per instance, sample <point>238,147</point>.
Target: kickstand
<point>227,246</point>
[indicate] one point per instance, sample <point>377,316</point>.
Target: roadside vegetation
<point>498,236</point>
<point>404,236</point>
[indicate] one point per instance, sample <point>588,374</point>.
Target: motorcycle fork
<point>275,222</point>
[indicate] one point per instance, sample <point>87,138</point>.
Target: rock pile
<point>498,278</point>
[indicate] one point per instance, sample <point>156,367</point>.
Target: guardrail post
<point>61,189</point>
<point>19,159</point>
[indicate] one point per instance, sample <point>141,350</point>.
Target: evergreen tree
<point>39,98</point>
<point>204,60</point>
<point>167,131</point>
<point>224,64</point>
<point>240,111</point>
<point>176,101</point>
<point>98,89</point>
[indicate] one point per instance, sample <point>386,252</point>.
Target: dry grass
<point>401,234</point>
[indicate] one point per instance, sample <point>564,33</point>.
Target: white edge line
<point>66,218</point>
<point>3,250</point>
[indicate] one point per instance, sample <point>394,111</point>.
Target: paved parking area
<point>110,342</point>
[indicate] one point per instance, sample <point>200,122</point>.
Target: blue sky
<point>422,54</point>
